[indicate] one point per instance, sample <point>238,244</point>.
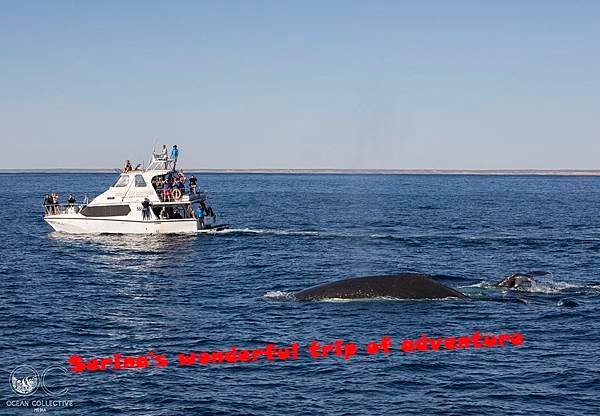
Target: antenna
<point>152,157</point>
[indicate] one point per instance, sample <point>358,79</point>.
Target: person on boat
<point>200,216</point>
<point>47,204</point>
<point>193,181</point>
<point>177,214</point>
<point>166,191</point>
<point>181,175</point>
<point>174,155</point>
<point>180,185</point>
<point>146,209</point>
<point>71,200</point>
<point>158,184</point>
<point>164,214</point>
<point>164,155</point>
<point>55,200</point>
<point>127,167</point>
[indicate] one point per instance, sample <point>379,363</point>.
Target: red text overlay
<point>315,350</point>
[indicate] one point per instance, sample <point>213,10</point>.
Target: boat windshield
<point>122,181</point>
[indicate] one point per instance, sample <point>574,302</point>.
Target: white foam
<point>278,295</point>
<point>484,285</point>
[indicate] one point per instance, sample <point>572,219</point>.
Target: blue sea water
<point>98,295</point>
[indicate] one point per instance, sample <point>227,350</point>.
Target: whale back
<point>400,286</point>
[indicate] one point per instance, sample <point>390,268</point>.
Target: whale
<point>567,303</point>
<point>398,286</point>
<point>520,280</point>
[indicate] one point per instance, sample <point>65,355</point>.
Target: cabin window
<point>106,211</point>
<point>122,181</point>
<point>139,181</point>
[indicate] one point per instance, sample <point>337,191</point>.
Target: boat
<point>148,200</point>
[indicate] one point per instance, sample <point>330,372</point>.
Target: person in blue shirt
<point>174,155</point>
<point>200,215</point>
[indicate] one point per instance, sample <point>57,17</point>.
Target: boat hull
<point>78,224</point>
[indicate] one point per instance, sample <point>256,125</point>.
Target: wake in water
<point>251,231</point>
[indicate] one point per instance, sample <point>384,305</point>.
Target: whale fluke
<point>400,286</point>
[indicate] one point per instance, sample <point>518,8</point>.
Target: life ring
<point>176,194</point>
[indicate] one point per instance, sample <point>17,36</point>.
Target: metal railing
<point>57,209</point>
<point>167,195</point>
<point>160,162</point>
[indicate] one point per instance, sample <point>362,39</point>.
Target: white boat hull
<point>78,224</point>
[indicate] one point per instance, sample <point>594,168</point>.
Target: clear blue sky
<point>304,84</point>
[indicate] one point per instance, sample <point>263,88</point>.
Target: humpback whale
<point>520,280</point>
<point>567,303</point>
<point>400,286</point>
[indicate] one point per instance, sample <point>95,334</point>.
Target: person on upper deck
<point>71,200</point>
<point>164,155</point>
<point>174,155</point>
<point>127,167</point>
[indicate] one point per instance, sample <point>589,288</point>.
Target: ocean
<point>94,296</point>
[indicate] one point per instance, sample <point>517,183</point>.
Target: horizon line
<point>557,172</point>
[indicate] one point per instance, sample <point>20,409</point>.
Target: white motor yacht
<point>141,201</point>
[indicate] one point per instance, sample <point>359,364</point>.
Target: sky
<point>511,84</point>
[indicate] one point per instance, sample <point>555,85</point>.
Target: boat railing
<point>57,209</point>
<point>161,162</point>
<point>167,195</point>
